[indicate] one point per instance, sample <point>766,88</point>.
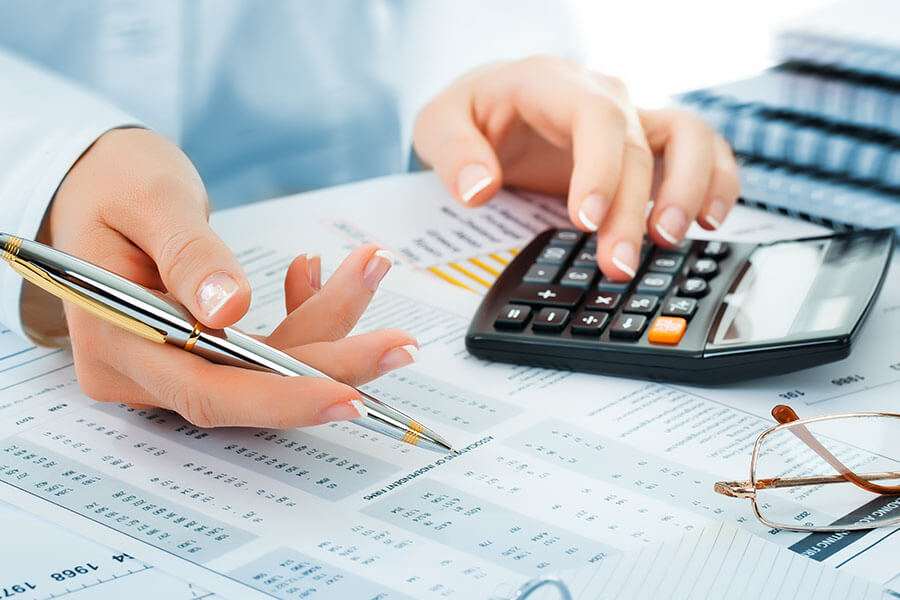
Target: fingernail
<point>344,411</point>
<point>672,224</point>
<point>625,257</point>
<point>592,209</point>
<point>314,270</point>
<point>717,212</point>
<point>215,291</point>
<point>377,267</point>
<point>471,180</point>
<point>397,357</point>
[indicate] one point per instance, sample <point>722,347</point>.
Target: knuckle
<point>189,401</point>
<point>639,154</point>
<point>345,320</point>
<point>178,252</point>
<point>615,84</point>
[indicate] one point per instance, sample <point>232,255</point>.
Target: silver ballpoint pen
<point>158,318</point>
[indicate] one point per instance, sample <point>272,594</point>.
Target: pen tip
<point>455,451</point>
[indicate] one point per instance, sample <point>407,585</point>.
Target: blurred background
<point>662,48</point>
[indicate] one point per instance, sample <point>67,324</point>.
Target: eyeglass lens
<point>803,479</point>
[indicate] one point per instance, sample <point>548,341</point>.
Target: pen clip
<point>43,280</point>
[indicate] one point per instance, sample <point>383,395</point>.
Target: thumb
<point>197,268</point>
<point>447,139</point>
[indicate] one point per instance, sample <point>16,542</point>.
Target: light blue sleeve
<point>46,124</point>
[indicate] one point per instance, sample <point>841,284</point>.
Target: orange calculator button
<point>667,330</point>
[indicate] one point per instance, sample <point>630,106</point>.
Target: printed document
<point>558,471</point>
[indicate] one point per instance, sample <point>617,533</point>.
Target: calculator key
<point>566,237</point>
<point>551,319</point>
<point>608,285</point>
<point>654,283</point>
<point>666,262</point>
<point>547,295</point>
<point>586,258</point>
<point>513,316</point>
<point>706,268</point>
<point>541,274</point>
<point>694,287</point>
<point>683,247</point>
<point>628,326</point>
<point>641,303</point>
<point>602,301</point>
<point>716,250</point>
<point>589,322</point>
<point>554,255</point>
<point>667,330</point>
<point>578,277</point>
<point>680,307</point>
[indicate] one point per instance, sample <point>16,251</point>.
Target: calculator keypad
<point>563,291</point>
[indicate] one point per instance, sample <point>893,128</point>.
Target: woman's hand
<point>135,205</point>
<point>549,125</point>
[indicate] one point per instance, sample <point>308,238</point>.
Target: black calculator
<point>704,312</point>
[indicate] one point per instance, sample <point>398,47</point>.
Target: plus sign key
<point>546,295</point>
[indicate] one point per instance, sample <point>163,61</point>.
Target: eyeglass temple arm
<point>785,414</point>
<point>745,489</point>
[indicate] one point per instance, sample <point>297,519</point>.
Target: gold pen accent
<point>38,277</point>
<point>410,437</point>
<point>195,335</point>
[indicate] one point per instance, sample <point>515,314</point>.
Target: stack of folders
<point>818,136</point>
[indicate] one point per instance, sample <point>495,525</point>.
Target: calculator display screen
<point>796,290</point>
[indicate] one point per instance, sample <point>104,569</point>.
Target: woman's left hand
<point>550,125</point>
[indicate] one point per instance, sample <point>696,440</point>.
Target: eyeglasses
<point>820,473</point>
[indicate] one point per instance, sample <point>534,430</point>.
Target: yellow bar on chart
<point>446,277</point>
<point>471,275</point>
<point>480,263</point>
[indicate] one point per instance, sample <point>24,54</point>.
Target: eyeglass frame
<point>748,488</point>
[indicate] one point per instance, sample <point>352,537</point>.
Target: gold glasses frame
<point>788,419</point>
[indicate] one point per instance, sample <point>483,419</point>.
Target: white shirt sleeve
<point>46,124</point>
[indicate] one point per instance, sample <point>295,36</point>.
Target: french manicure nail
<point>215,291</point>
<point>592,209</point>
<point>397,357</point>
<point>625,258</point>
<point>377,267</point>
<point>672,224</point>
<point>344,411</point>
<point>717,212</point>
<point>314,270</point>
<point>471,180</point>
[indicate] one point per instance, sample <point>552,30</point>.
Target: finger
<point>724,187</point>
<point>302,280</point>
<point>111,250</point>
<point>332,312</point>
<point>598,135</point>
<point>195,265</point>
<point>687,147</point>
<point>447,138</point>
<point>360,358</point>
<point>619,237</point>
<point>103,383</point>
<point>211,395</point>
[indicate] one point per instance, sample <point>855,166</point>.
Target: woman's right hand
<point>135,205</point>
